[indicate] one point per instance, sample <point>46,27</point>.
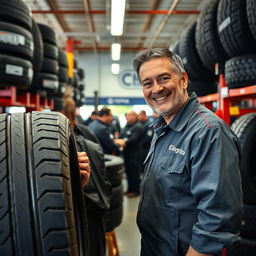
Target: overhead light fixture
<point>115,68</point>
<point>117,17</point>
<point>115,51</point>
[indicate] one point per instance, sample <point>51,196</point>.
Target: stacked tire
<point>47,79</point>
<point>201,79</point>
<point>16,44</point>
<point>236,27</point>
<point>244,127</point>
<point>41,200</point>
<point>78,85</point>
<point>115,171</point>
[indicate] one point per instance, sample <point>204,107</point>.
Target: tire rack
<point>227,98</point>
<point>32,102</point>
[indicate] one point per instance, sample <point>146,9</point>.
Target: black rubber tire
<point>63,74</point>
<point>38,55</point>
<point>15,72</point>
<point>80,73</point>
<point>113,218</point>
<point>114,169</point>
<point>117,196</point>
<point>41,206</point>
<point>48,34</point>
<point>244,128</point>
<point>202,88</point>
<point>45,81</point>
<point>248,229</point>
<point>81,86</point>
<point>16,12</point>
<point>208,44</point>
<point>251,10</point>
<point>244,247</point>
<point>16,41</point>
<point>175,48</point>
<point>50,66</point>
<point>192,62</point>
<point>241,71</point>
<point>63,61</point>
<point>58,103</point>
<point>233,28</point>
<point>51,51</point>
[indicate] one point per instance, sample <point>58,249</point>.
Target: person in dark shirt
<point>130,138</point>
<point>94,115</point>
<point>191,197</point>
<point>102,129</point>
<point>97,191</point>
<point>148,134</point>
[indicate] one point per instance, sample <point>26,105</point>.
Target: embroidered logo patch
<point>176,150</point>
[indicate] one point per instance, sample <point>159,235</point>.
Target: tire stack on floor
<point>42,210</point>
<point>16,44</point>
<point>115,171</point>
<point>244,127</point>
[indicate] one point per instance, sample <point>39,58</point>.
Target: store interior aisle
<point>127,234</point>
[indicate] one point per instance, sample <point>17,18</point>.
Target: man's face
<point>164,90</point>
<point>131,117</point>
<point>109,118</point>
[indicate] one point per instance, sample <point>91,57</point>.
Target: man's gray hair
<point>152,53</point>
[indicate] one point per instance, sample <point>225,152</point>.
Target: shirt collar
<point>181,118</point>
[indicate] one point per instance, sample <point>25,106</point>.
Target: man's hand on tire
<point>84,165</point>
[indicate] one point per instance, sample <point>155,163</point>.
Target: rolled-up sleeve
<point>216,186</point>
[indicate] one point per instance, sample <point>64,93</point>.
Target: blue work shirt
<point>191,190</point>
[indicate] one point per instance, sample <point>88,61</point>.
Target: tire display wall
<point>41,200</point>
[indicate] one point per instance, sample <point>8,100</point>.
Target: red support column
<point>70,56</point>
<point>224,101</point>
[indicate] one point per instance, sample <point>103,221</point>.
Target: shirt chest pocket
<point>173,164</point>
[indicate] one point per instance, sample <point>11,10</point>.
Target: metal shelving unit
<point>229,99</point>
<point>9,96</point>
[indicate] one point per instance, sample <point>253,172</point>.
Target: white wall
<point>98,76</point>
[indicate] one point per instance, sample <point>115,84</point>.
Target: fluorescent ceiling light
<point>115,51</point>
<point>115,68</point>
<point>117,17</point>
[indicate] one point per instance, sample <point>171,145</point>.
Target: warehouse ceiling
<point>147,23</point>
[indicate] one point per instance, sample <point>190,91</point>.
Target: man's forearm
<point>193,252</point>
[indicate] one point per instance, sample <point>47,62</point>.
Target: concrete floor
<point>127,234</point>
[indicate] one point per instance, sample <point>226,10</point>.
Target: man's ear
<point>184,80</point>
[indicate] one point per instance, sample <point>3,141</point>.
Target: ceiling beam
<point>147,24</point>
<point>87,7</point>
<point>54,6</point>
<point>154,12</point>
<point>164,22</point>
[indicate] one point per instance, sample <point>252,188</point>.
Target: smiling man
<point>191,199</point>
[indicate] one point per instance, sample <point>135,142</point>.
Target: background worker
<point>102,129</point>
<point>131,137</point>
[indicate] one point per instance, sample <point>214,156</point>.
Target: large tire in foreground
<point>244,128</point>
<point>41,200</point>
